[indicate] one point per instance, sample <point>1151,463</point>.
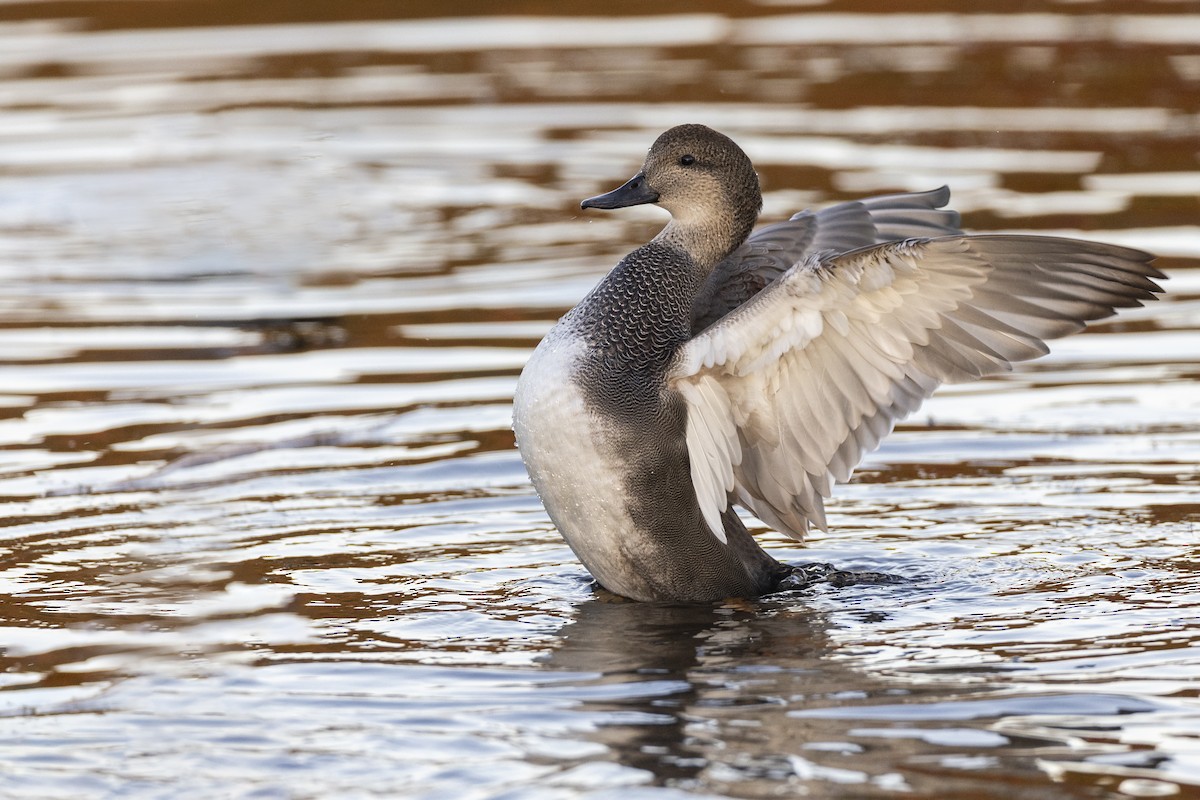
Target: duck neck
<point>708,239</point>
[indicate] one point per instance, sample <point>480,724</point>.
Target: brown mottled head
<point>702,177</point>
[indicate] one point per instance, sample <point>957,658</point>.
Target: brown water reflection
<point>271,270</point>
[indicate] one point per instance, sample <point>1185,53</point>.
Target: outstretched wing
<point>786,393</point>
<point>772,250</point>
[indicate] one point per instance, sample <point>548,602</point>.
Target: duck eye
<point>687,161</point>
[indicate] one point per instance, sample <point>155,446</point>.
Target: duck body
<point>604,440</point>
<point>715,366</point>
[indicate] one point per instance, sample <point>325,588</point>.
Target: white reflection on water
<point>35,344</point>
<point>840,154</point>
<point>1159,183</point>
<point>886,29</point>
<point>150,49</point>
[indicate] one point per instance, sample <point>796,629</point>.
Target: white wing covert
<point>787,392</point>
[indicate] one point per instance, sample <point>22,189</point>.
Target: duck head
<point>702,178</point>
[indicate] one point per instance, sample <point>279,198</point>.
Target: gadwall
<point>715,366</point>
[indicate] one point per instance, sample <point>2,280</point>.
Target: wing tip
<point>712,517</point>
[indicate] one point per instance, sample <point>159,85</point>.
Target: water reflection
<point>750,699</point>
<point>271,271</point>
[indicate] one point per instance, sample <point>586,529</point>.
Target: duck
<point>718,366</point>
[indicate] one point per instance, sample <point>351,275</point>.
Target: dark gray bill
<point>634,192</point>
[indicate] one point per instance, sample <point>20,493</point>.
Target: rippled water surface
<point>270,272</point>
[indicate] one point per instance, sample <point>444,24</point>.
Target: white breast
<point>561,444</point>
